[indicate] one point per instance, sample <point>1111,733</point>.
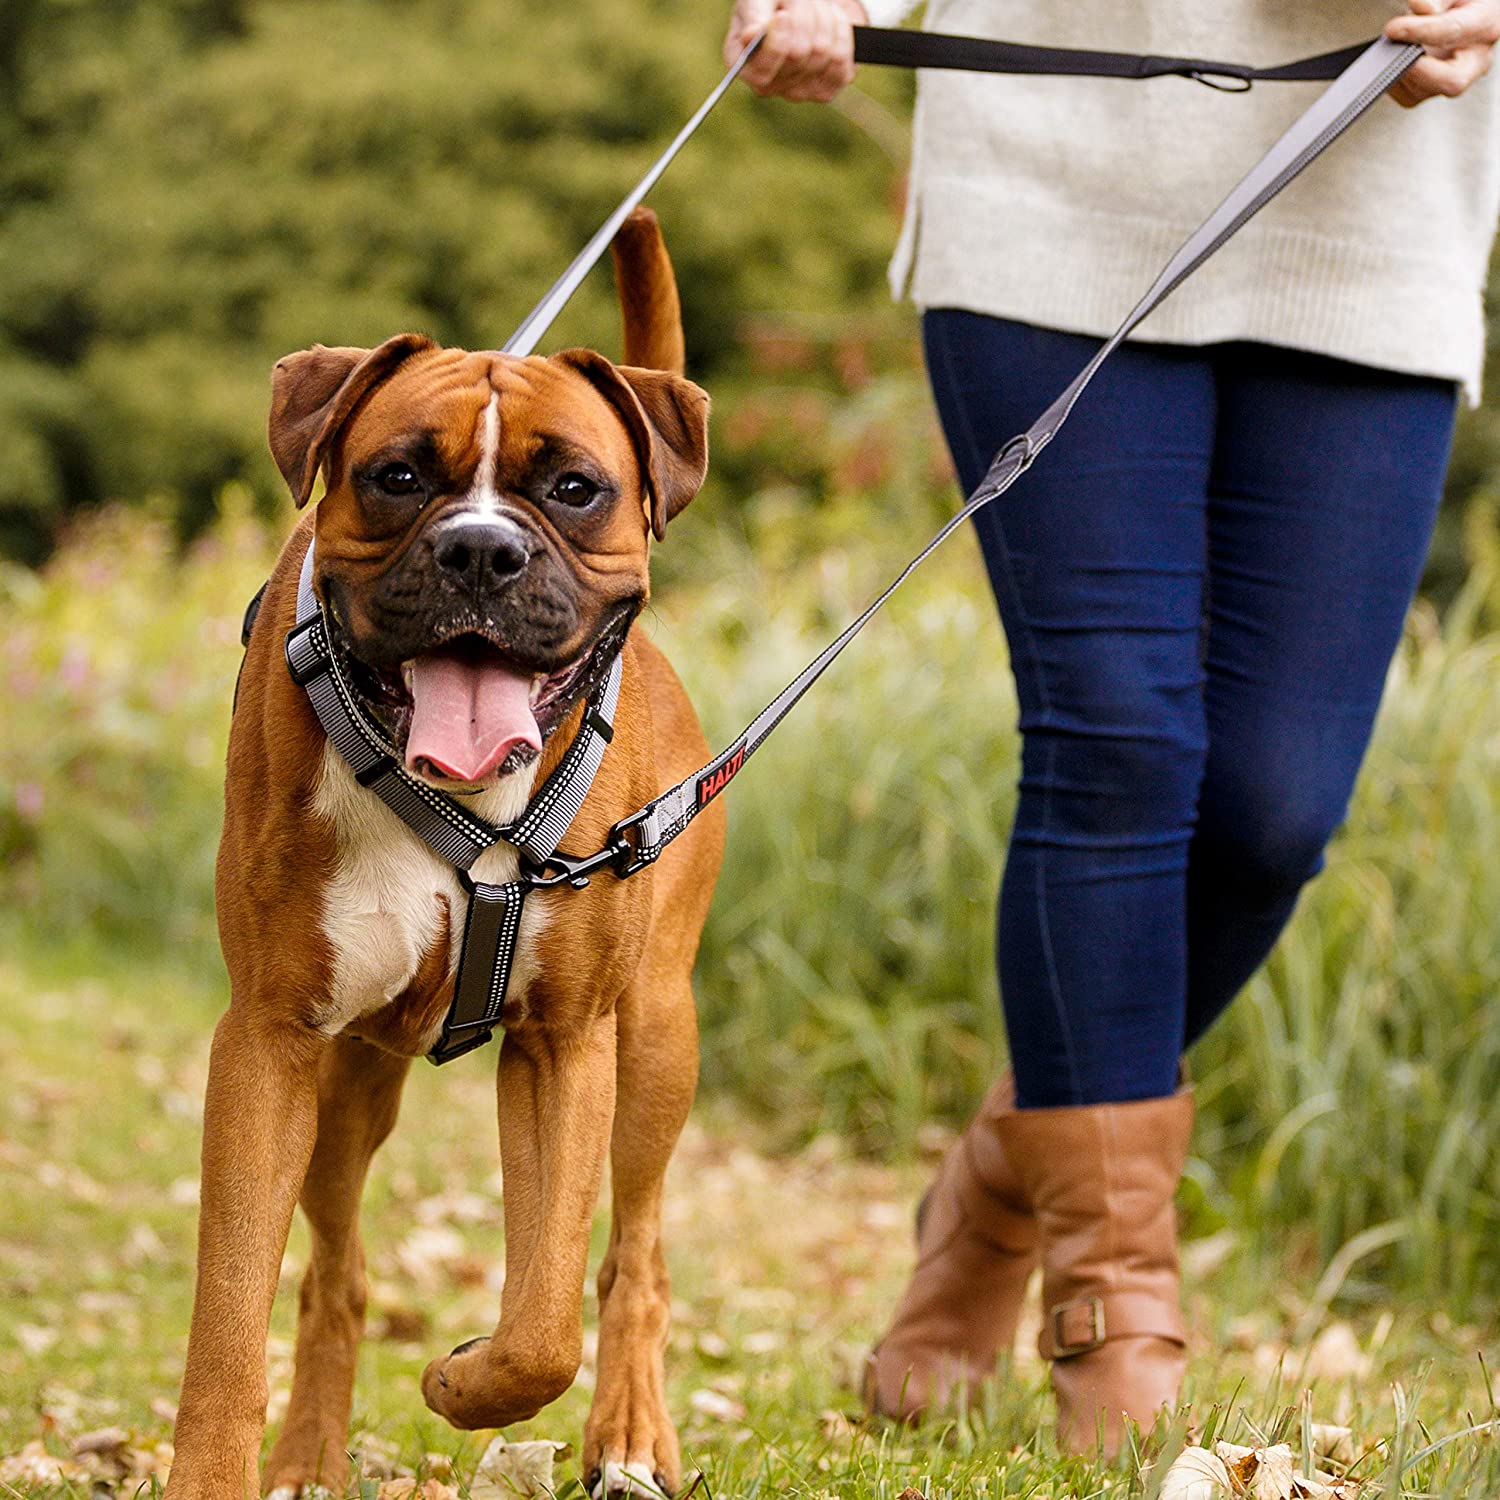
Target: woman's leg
<point>1097,559</point>
<point>1326,479</point>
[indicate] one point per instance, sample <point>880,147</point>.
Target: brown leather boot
<point>1101,1179</point>
<point>976,1246</point>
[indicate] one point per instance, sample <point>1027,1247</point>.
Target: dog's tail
<point>648,295</point>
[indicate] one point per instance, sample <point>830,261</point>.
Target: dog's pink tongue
<point>468,714</point>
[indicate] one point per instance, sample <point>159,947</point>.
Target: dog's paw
<point>637,1479</point>
<point>476,1386</point>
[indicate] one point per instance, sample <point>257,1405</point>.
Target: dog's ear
<point>667,418</point>
<point>312,395</point>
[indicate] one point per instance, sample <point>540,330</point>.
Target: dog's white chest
<point>384,907</point>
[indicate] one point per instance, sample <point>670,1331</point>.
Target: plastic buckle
<point>448,1047</point>
<point>1063,1347</point>
<point>317,663</point>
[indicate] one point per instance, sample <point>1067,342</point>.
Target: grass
<point>784,1266</point>
<point>1344,1167</point>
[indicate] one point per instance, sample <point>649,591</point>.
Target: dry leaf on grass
<point>717,1405</point>
<point>1335,1356</point>
<point>1333,1442</point>
<point>33,1465</point>
<point>409,1489</point>
<point>1196,1474</point>
<point>1272,1474</point>
<point>510,1469</point>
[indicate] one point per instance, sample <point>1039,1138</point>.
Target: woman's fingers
<point>1460,38</point>
<point>1448,27</point>
<point>746,19</point>
<point>1442,77</point>
<point>828,63</point>
<point>808,48</point>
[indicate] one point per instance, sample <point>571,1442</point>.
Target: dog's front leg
<point>259,1123</point>
<point>556,1097</point>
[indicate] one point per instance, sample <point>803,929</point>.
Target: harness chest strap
<point>492,923</point>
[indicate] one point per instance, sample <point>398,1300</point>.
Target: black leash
<point>972,54</point>
<point>493,921</point>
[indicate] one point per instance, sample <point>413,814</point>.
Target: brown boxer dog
<point>481,553</point>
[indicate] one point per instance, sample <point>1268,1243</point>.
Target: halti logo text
<point>716,781</point>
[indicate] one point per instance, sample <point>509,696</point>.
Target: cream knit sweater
<point>1056,201</point>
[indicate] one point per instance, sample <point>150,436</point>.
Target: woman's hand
<point>808,52</point>
<point>1459,36</point>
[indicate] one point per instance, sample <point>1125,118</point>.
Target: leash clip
<point>574,869</point>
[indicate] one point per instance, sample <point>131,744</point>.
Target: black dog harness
<point>492,926</point>
<point>493,922</point>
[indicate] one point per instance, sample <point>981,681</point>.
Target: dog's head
<point>483,539</point>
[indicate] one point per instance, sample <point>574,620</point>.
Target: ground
<point>783,1266</point>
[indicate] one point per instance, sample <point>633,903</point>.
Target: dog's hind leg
<point>630,1443</point>
<point>359,1093</point>
<point>556,1089</point>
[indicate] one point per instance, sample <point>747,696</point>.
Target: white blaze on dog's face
<point>482,547</point>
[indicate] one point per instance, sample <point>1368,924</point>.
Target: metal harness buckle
<point>1062,1346</point>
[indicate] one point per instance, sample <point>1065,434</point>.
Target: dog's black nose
<point>481,552</point>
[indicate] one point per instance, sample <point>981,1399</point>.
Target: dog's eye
<point>574,489</point>
<point>398,479</point>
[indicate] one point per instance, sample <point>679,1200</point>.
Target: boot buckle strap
<point>1077,1327</point>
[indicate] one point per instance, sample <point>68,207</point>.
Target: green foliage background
<point>190,188</point>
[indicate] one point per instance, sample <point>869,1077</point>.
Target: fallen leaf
<point>1335,1355</point>
<point>33,1465</point>
<point>105,1440</point>
<point>510,1469</point>
<point>410,1489</point>
<point>715,1404</point>
<point>377,1458</point>
<point>1273,1473</point>
<point>1333,1442</point>
<point>836,1424</point>
<point>1196,1474</point>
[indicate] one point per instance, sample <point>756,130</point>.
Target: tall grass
<point>846,982</point>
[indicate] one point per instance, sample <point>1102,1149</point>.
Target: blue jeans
<point>1202,582</point>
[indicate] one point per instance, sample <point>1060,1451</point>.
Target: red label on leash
<point>715,782</point>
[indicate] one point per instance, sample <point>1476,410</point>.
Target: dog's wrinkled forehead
<point>484,417</point>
